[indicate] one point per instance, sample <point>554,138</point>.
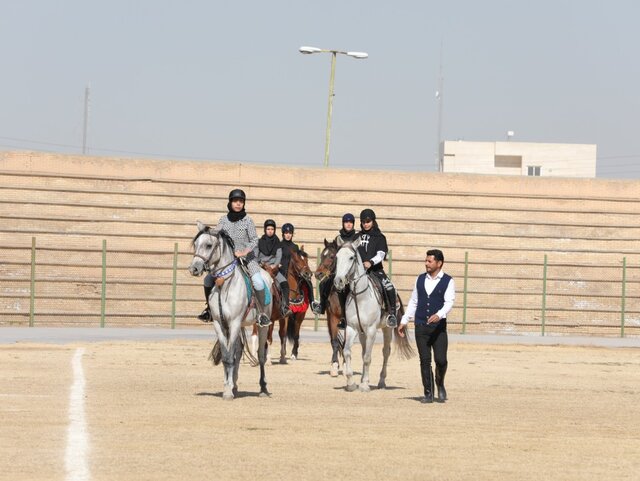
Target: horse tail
<point>246,349</point>
<point>215,356</point>
<point>340,338</point>
<point>291,327</point>
<point>402,344</point>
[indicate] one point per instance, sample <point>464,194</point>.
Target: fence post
<point>315,324</point>
<point>175,279</point>
<point>32,303</point>
<point>464,295</point>
<point>624,295</point>
<point>103,297</point>
<point>544,293</point>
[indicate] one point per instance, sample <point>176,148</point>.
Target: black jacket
<point>370,243</point>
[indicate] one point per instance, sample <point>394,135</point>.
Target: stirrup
<point>392,321</point>
<point>263,320</point>
<point>342,324</point>
<point>205,316</point>
<point>316,307</point>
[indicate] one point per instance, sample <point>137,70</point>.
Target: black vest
<point>428,305</point>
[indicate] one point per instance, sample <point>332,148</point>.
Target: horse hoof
<point>264,394</point>
<point>351,387</point>
<point>227,397</point>
<point>382,385</point>
<point>283,360</point>
<point>293,357</point>
<point>334,370</point>
<point>364,388</point>
<point>234,391</point>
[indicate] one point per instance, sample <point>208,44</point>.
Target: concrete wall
<point>503,225</point>
<point>555,160</point>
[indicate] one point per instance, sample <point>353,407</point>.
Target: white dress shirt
<point>430,284</point>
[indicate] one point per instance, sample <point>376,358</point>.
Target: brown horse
<point>324,272</point>
<point>299,279</point>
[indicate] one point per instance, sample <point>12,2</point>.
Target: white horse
<point>364,316</point>
<point>229,304</point>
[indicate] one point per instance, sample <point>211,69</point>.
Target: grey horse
<point>364,316</point>
<point>230,305</point>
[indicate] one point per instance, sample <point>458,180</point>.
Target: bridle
<point>221,271</point>
<point>351,276</point>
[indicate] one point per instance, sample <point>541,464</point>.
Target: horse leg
<point>350,336</point>
<point>367,340</point>
<point>229,361</point>
<point>283,339</point>
<point>386,351</point>
<point>262,358</point>
<point>236,367</point>
<point>296,334</point>
<point>335,365</point>
<point>332,323</point>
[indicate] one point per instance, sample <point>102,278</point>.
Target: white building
<point>518,158</point>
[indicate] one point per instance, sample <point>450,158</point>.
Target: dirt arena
<point>154,411</point>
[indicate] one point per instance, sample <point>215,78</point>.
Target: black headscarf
<point>235,216</point>
<point>268,245</point>
<point>348,236</point>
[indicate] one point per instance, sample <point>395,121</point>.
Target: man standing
<point>431,300</point>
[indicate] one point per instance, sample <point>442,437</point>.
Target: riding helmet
<point>287,228</point>
<point>348,217</point>
<point>237,194</point>
<point>269,223</point>
<point>367,214</point>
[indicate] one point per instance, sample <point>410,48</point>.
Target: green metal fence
<point>102,287</point>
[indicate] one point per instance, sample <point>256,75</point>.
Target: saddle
<point>381,293</point>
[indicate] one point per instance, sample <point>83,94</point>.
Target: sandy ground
<point>154,411</point>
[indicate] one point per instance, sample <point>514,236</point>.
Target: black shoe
<point>342,324</point>
<point>205,316</point>
<point>426,400</point>
<point>263,320</point>
<point>392,321</point>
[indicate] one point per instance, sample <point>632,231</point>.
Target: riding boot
<point>263,319</point>
<point>427,383</point>
<point>392,321</point>
<point>342,296</point>
<point>441,370</point>
<point>205,316</point>
<point>284,304</point>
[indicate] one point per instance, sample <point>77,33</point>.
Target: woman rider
<point>373,249</point>
<point>240,227</point>
<point>288,246</point>
<point>347,234</point>
<point>270,254</point>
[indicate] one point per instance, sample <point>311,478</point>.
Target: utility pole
<point>439,99</point>
<point>86,120</point>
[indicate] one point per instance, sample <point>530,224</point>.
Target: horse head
<point>300,263</point>
<point>348,263</point>
<point>206,249</point>
<point>327,262</point>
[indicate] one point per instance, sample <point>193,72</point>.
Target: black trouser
<point>430,336</point>
<point>325,291</point>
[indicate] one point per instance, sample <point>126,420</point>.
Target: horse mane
<point>224,235</point>
<point>195,238</point>
<point>302,253</point>
<point>227,238</point>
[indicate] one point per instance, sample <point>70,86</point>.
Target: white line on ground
<point>76,456</point>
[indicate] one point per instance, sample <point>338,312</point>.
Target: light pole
<point>334,53</point>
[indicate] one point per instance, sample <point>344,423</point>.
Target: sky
<point>214,80</point>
